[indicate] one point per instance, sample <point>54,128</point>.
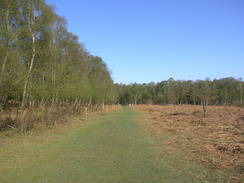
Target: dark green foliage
<point>224,91</point>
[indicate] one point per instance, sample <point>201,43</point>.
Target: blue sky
<point>152,40</point>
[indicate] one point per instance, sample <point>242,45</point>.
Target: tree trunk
<point>103,106</point>
<point>29,71</point>
<point>7,52</point>
<point>4,62</point>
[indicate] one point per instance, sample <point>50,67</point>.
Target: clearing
<point>215,142</point>
<point>111,148</point>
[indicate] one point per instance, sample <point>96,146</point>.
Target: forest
<point>65,118</point>
<point>225,91</point>
<point>43,65</point>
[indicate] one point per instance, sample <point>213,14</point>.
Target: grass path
<point>106,149</point>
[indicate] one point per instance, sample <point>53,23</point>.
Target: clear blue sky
<point>152,40</point>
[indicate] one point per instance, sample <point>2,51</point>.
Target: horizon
<point>176,95</point>
<point>185,40</point>
<point>183,80</point>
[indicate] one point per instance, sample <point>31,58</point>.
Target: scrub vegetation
<point>214,141</point>
<point>115,147</point>
<point>174,130</point>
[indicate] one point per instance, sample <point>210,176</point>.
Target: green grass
<point>105,149</point>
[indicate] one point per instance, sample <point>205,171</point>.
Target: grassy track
<point>106,149</point>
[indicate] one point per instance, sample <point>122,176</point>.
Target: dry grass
<point>215,141</point>
<point>24,120</point>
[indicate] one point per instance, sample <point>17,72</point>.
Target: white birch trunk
<point>29,71</point>
<point>7,52</point>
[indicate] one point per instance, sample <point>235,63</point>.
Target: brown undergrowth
<point>24,120</point>
<point>216,141</point>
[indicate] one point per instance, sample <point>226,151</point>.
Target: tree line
<point>226,91</point>
<point>41,62</point>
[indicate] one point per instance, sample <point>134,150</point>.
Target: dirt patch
<point>216,140</point>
